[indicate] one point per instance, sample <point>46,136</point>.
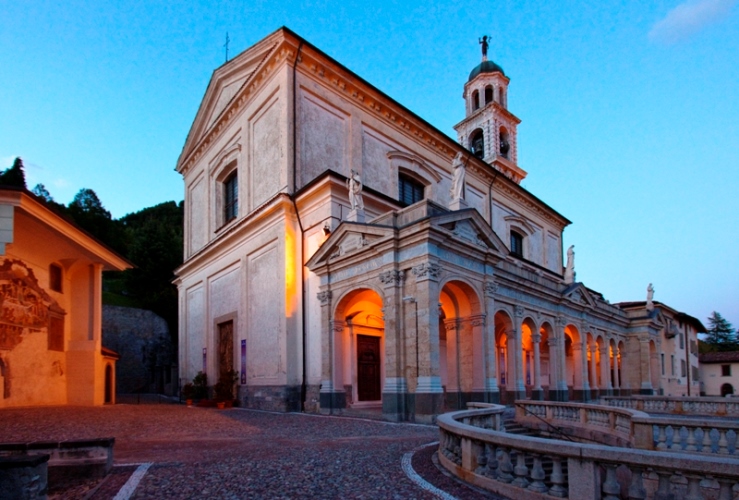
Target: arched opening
<point>590,356</point>
<point>477,143</point>
<point>108,384</point>
<point>505,359</point>
<point>546,378</point>
<point>461,348</point>
<point>505,146</point>
<point>726,390</point>
<point>488,94</point>
<point>501,96</point>
<point>359,347</point>
<point>573,362</point>
<point>475,100</point>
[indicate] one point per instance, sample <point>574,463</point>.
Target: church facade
<point>341,252</point>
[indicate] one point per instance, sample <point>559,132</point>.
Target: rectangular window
<point>726,370</point>
<point>411,191</point>
<point>55,278</point>
<point>662,360</point>
<point>672,365</point>
<point>230,198</point>
<point>682,341</point>
<point>694,371</point>
<point>683,369</point>
<point>516,244</point>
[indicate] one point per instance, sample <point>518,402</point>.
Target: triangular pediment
<point>225,85</point>
<point>348,240</point>
<point>469,226</point>
<point>580,295</point>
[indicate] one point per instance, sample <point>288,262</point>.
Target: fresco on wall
<point>23,303</point>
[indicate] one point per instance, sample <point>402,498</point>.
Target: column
<point>332,395</point>
<point>537,393</point>
<point>557,352</point>
<point>395,387</point>
<point>580,362</point>
<point>429,393</point>
<point>593,370</point>
<point>453,369</point>
<point>616,371</point>
<point>492,393</point>
<point>644,365</point>
<point>605,370</point>
<point>516,351</point>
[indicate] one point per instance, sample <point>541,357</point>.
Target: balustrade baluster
<point>690,442</point>
<point>611,488</point>
<point>636,488</point>
<point>492,461</point>
<point>661,438</point>
<point>694,488</point>
<point>521,471</point>
<point>664,487</point>
<point>724,492</point>
<point>537,476</point>
<point>731,438</point>
<point>723,444</point>
<point>558,488</point>
<point>505,467</point>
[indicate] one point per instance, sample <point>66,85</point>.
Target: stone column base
<point>332,402</point>
<point>395,406</point>
<point>427,405</point>
<point>559,395</point>
<point>537,394</point>
<point>512,396</point>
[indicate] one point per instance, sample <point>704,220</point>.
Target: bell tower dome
<point>489,129</point>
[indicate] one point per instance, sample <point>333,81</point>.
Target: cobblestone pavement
<point>236,453</point>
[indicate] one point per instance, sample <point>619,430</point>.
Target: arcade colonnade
<point>424,340</point>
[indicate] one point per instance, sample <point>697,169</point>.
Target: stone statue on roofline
<point>354,185</point>
<point>458,176</point>
<point>484,41</point>
<point>650,296</point>
<point>570,268</point>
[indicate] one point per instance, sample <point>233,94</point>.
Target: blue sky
<point>629,110</point>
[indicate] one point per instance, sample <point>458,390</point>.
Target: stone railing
<point>601,424</point>
<point>688,435</point>
<point>710,407</point>
<point>527,467</point>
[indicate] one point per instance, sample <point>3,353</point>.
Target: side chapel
<point>341,252</point>
<point>51,350</point>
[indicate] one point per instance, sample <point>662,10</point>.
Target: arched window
<point>501,97</point>
<point>504,144</point>
<point>477,143</point>
<point>230,197</point>
<point>517,243</point>
<point>488,94</point>
<point>475,100</point>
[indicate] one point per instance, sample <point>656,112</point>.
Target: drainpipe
<point>303,388</point>
<point>687,354</point>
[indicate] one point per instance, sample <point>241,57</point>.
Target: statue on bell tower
<point>484,41</point>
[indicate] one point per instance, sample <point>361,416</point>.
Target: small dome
<point>485,67</point>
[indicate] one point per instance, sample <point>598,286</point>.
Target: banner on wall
<point>243,362</point>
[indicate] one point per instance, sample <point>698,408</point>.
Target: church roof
<point>485,67</point>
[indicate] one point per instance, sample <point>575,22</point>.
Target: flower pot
<point>188,402</point>
<point>221,405</point>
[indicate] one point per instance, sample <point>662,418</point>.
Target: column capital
<point>519,311</point>
<point>337,326</point>
<point>325,297</point>
<point>427,270</point>
<point>536,338</point>
<point>392,277</point>
<point>561,321</point>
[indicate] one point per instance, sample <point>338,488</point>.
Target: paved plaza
<point>236,453</point>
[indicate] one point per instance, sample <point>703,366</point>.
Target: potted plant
<point>224,389</point>
<point>200,386</point>
<point>188,392</point>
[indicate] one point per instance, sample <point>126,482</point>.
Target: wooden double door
<point>369,386</point>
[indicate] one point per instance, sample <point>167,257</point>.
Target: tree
<point>43,193</point>
<point>14,176</point>
<point>88,212</point>
<point>721,334</point>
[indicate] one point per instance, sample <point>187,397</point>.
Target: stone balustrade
<point>601,424</point>
<point>689,435</point>
<point>710,407</point>
<point>526,467</point>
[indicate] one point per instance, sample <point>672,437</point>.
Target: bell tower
<point>488,130</point>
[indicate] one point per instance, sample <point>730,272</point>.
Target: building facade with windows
<point>719,373</point>
<point>51,351</point>
<point>429,290</point>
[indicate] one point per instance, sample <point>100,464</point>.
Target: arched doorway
<point>359,347</point>
<point>727,389</point>
<point>574,362</point>
<point>461,347</point>
<point>108,384</point>
<point>505,356</point>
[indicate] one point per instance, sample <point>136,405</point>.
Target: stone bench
<point>23,477</point>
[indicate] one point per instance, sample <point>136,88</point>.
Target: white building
<point>422,293</point>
